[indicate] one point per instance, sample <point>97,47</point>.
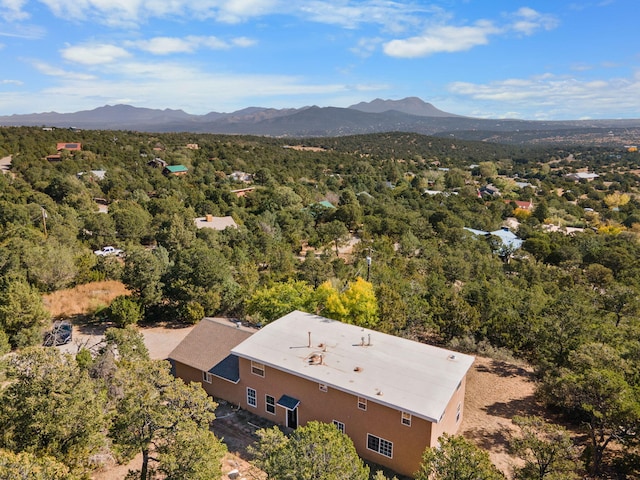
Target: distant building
<point>192,146</point>
<point>215,223</point>
<point>576,177</point>
<point>508,238</point>
<point>71,147</point>
<point>175,170</point>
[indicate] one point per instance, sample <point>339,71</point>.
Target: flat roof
<point>216,223</point>
<point>402,374</point>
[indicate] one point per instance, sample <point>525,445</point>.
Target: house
<point>54,158</point>
<point>157,163</point>
<point>393,397</point>
<point>242,192</point>
<point>489,190</point>
<point>576,177</point>
<point>192,146</point>
<point>215,223</point>
<point>238,176</point>
<point>175,170</point>
<point>521,204</point>
<point>71,147</point>
<point>506,236</point>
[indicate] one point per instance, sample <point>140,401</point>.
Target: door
<point>292,418</point>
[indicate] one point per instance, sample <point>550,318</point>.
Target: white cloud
<point>53,71</point>
<point>12,10</point>
<point>366,46</point>
<point>558,96</point>
<point>189,44</point>
<point>442,39</point>
<point>11,82</point>
<point>94,54</point>
<point>527,21</point>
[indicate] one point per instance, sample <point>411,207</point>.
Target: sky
<point>528,59</point>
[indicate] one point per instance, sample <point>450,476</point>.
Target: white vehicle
<point>108,251</point>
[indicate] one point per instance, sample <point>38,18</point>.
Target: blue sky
<point>532,59</point>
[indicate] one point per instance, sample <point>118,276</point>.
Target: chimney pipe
<point>369,341</point>
<point>309,345</point>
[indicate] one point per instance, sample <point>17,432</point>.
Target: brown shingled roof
<point>209,343</point>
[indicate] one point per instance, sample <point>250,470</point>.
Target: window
<point>362,403</point>
<point>323,387</point>
<point>406,419</point>
<point>340,425</point>
<point>270,404</point>
<point>380,445</point>
<point>252,399</point>
<point>206,377</point>
<point>257,368</point>
<point>458,412</point>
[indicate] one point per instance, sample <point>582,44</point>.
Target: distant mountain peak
<point>409,105</point>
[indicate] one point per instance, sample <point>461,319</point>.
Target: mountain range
<point>408,115</point>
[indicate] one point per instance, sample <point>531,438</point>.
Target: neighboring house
<point>508,238</point>
<point>490,190</point>
<point>54,158</point>
<point>192,146</point>
<point>97,174</point>
<point>242,192</point>
<point>215,223</point>
<point>576,177</point>
<point>238,176</point>
<point>392,396</point>
<point>157,163</point>
<point>175,170</point>
<point>71,147</point>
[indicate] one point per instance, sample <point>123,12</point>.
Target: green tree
<point>157,413</point>
<point>271,303</point>
<point>334,232</point>
<point>456,459</point>
<point>594,385</point>
<point>142,275</point>
<point>52,408</point>
<point>22,313</point>
<point>125,310</point>
<point>547,450</point>
<point>317,451</point>
<point>29,466</point>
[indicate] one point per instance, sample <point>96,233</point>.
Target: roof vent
<point>452,356</point>
<point>357,369</point>
<point>315,359</point>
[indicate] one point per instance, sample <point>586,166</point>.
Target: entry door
<point>292,418</point>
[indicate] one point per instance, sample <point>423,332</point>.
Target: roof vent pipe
<point>309,344</point>
<point>369,341</point>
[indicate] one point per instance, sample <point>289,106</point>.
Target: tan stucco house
<point>393,397</point>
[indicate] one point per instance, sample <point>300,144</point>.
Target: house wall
<point>451,421</point>
<point>218,387</point>
<point>384,422</point>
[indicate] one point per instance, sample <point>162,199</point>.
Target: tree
<point>456,459</point>
<point>125,310</point>
<point>142,275</point>
<point>335,232</point>
<point>594,386</point>
<point>271,303</point>
<point>547,450</point>
<point>29,466</point>
<point>52,408</point>
<point>355,304</point>
<point>317,451</point>
<point>157,413</point>
<point>22,313</point>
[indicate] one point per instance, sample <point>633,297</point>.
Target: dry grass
<point>83,299</point>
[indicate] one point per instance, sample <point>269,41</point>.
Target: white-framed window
<point>323,387</point>
<point>257,368</point>
<point>458,412</point>
<point>340,425</point>
<point>362,403</point>
<point>270,404</point>
<point>252,398</point>
<point>380,445</point>
<point>206,377</point>
<point>405,419</point>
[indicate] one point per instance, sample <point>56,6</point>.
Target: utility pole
<point>368,266</point>
<point>44,221</point>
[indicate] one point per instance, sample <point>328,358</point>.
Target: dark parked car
<point>60,334</point>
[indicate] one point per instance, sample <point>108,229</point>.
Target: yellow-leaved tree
<point>355,304</point>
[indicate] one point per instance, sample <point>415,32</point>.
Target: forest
<point>566,301</point>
